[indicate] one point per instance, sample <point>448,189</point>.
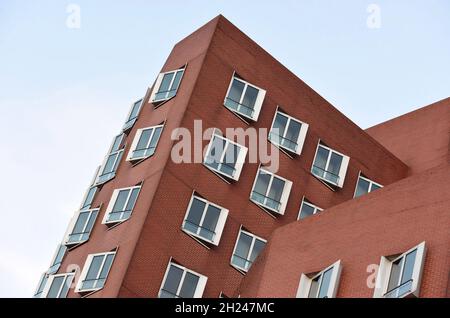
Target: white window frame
<point>55,255</point>
<point>113,200</point>
<point>200,285</point>
<point>239,160</point>
<point>306,280</point>
<point>86,267</point>
<point>68,280</point>
<point>284,197</point>
<point>129,122</point>
<point>254,237</point>
<point>220,222</point>
<point>136,139</point>
<point>301,136</point>
<point>371,184</point>
<point>342,171</point>
<point>258,103</point>
<point>315,207</point>
<point>119,153</point>
<point>72,223</point>
<point>384,272</point>
<point>159,81</point>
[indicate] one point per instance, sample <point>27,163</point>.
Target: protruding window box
<point>58,286</point>
<point>365,186</point>
<point>80,227</point>
<point>307,209</point>
<point>330,166</point>
<point>144,143</point>
<point>323,284</point>
<point>132,115</point>
<point>57,259</point>
<point>112,160</point>
<point>95,272</point>
<point>121,205</point>
<point>247,248</point>
<point>166,86</point>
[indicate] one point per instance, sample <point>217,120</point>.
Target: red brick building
<point>151,227</point>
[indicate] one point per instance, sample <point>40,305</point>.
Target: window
<point>88,198</point>
<point>166,86</point>
<point>132,115</point>
<point>41,285</point>
<point>109,167</point>
<point>180,282</point>
<point>121,205</point>
<point>288,132</point>
<point>365,186</point>
<point>244,98</point>
<point>144,143</point>
<point>204,220</point>
<point>330,166</point>
<point>399,276</point>
<point>58,286</point>
<point>307,209</point>
<point>225,157</point>
<point>320,285</point>
<point>271,191</point>
<point>57,259</point>
<point>95,272</point>
<point>247,248</point>
<point>80,227</point>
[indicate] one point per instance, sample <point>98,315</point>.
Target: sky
<point>66,87</point>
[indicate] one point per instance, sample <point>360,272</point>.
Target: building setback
<point>151,227</point>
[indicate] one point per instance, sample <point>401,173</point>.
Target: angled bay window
<point>307,209</point>
<point>204,220</point>
<point>132,115</point>
<point>225,157</point>
<point>95,272</point>
<point>112,160</point>
<point>166,86</point>
<point>288,132</point>
<point>247,248</point>
<point>41,285</point>
<point>58,285</point>
<point>80,227</point>
<point>57,259</point>
<point>121,205</point>
<point>399,276</point>
<point>323,284</point>
<point>271,191</point>
<point>330,165</point>
<point>180,282</point>
<point>244,98</point>
<point>144,143</point>
<point>365,186</point>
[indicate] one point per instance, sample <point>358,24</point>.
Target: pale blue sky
<point>64,92</point>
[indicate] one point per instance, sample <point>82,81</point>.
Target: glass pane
<point>321,161</point>
<point>250,98</point>
<point>236,91</point>
<point>167,79</point>
<point>110,163</point>
<point>91,222</point>
<point>215,153</point>
<point>55,287</point>
<point>275,193</point>
<point>195,215</point>
<point>59,256</point>
<point>135,110</point>
<point>89,198</point>
<point>155,139</point>
<point>257,248</point>
<point>293,131</point>
<point>325,285</point>
<point>314,288</point>
<point>262,183</point>
<point>132,200</point>
<point>307,210</point>
<point>144,139</point>
<point>408,268</point>
<point>279,125</point>
<point>94,268</point>
<point>172,282</point>
<point>66,286</point>
<point>176,81</point>
<point>42,283</point>
<point>121,199</point>
<point>242,250</point>
<point>81,222</point>
<point>374,187</point>
<point>106,266</point>
<point>362,187</point>
<point>210,222</point>
<point>335,164</point>
<point>395,274</point>
<point>189,285</point>
<point>116,143</point>
<point>230,159</point>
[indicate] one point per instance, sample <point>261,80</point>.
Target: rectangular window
<point>57,259</point>
<point>41,285</point>
<point>132,115</point>
<point>58,285</point>
<point>121,205</point>
<point>204,220</point>
<point>180,282</point>
<point>330,165</point>
<point>307,209</point>
<point>320,285</point>
<point>80,227</point>
<point>225,157</point>
<point>399,276</point>
<point>365,186</point>
<point>288,133</point>
<point>95,272</point>
<point>166,86</point>
<point>144,143</point>
<point>247,248</point>
<point>271,191</point>
<point>112,160</point>
<point>244,98</point>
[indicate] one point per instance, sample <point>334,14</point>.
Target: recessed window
<point>180,282</point>
<point>57,259</point>
<point>80,227</point>
<point>330,165</point>
<point>244,98</point>
<point>323,284</point>
<point>205,220</point>
<point>166,86</point>
<point>399,276</point>
<point>308,209</point>
<point>144,143</point>
<point>95,272</point>
<point>225,157</point>
<point>58,286</point>
<point>247,248</point>
<point>271,191</point>
<point>41,285</point>
<point>112,160</point>
<point>132,115</point>
<point>121,205</point>
<point>365,186</point>
<point>288,133</point>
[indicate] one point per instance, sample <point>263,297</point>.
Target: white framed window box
<point>57,259</point>
<point>121,205</point>
<point>112,160</point>
<point>330,165</point>
<point>133,115</point>
<point>41,285</point>
<point>323,284</point>
<point>58,286</point>
<point>145,143</point>
<point>247,248</point>
<point>365,185</point>
<point>95,272</point>
<point>80,227</point>
<point>307,209</point>
<point>166,86</point>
